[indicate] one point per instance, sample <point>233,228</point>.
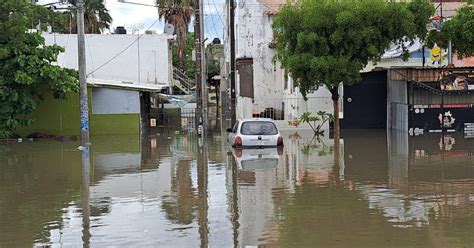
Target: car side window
<point>234,130</point>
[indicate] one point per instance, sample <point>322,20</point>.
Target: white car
<point>257,132</point>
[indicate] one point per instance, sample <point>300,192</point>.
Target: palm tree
<point>96,17</point>
<point>178,13</point>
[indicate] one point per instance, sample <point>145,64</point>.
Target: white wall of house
<point>115,101</point>
<point>143,61</point>
<point>272,88</point>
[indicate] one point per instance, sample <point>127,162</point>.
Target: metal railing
<point>182,81</point>
<point>293,108</point>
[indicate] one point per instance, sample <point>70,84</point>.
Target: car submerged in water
<point>254,133</point>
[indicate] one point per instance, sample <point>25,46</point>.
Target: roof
<point>256,119</point>
<point>126,85</point>
<point>272,7</point>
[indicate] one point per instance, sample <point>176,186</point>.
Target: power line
<point>125,49</point>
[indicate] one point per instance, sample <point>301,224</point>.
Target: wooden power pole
<point>232,62</point>
<point>84,101</point>
<point>197,47</point>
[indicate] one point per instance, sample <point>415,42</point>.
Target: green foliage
<point>25,68</point>
<point>178,13</point>
<point>312,120</point>
<point>326,42</point>
<point>214,53</point>
<point>190,70</point>
<point>43,16</point>
<point>460,30</point>
<point>96,17</point>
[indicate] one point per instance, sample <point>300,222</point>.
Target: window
<point>234,130</point>
<point>258,128</point>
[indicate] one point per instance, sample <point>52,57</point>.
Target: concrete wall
<point>397,104</point>
<point>254,34</point>
<point>144,61</point>
<point>55,116</point>
<point>61,117</point>
<point>115,101</point>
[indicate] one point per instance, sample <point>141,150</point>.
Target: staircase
<point>183,82</point>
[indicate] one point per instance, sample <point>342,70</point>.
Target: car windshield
<point>258,128</point>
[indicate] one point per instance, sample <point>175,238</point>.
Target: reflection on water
<point>174,190</point>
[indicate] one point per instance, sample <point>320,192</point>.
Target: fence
<point>183,118</point>
<point>293,108</point>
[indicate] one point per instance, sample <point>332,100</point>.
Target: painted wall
<point>61,117</point>
<point>397,104</point>
<point>141,61</point>
<point>54,116</point>
<point>115,101</point>
<point>115,124</point>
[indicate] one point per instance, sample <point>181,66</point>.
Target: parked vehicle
<point>257,132</point>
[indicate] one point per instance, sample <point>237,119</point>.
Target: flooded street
<point>170,190</point>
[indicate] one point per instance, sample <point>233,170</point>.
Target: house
<point>263,88</point>
<point>124,73</point>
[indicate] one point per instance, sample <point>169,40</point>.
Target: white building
<point>261,83</point>
<point>128,61</point>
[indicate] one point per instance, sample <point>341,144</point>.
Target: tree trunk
<point>336,131</point>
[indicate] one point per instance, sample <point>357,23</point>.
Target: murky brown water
<point>168,191</point>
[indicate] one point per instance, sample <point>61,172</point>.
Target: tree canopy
<point>190,65</point>
<point>26,69</point>
<point>178,13</point>
<point>96,17</point>
<point>326,42</point>
<point>459,29</point>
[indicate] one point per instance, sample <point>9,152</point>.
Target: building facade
<point>123,73</point>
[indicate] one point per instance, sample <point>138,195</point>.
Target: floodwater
<point>174,190</point>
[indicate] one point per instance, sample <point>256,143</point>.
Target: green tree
<point>96,17</point>
<point>178,13</point>
<point>214,55</point>
<point>460,30</point>
<point>26,70</point>
<point>43,17</point>
<point>328,42</point>
<point>190,68</point>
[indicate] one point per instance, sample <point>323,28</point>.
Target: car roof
<point>256,119</point>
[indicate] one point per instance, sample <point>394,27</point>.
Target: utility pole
<point>232,63</point>
<point>204,93</point>
<point>84,101</point>
<point>197,47</point>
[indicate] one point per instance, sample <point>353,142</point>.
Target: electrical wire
<point>125,49</point>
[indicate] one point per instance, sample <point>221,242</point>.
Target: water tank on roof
<point>120,30</point>
<point>216,41</point>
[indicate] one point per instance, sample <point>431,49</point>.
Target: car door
<point>231,135</point>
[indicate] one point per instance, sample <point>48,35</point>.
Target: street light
<point>135,3</point>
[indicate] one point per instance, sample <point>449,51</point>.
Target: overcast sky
<point>133,16</point>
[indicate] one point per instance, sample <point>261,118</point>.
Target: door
<point>365,103</point>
